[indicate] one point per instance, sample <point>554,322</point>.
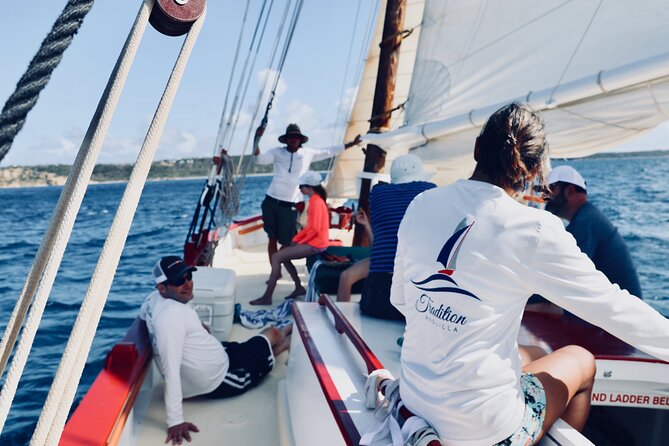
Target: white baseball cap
<point>566,174</point>
<point>408,168</point>
<point>310,178</point>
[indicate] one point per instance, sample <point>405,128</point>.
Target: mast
<point>384,94</point>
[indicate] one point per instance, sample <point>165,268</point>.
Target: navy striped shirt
<point>387,205</point>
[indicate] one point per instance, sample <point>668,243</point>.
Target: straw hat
<point>293,130</point>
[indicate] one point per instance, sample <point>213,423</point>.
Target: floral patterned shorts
<point>535,412</point>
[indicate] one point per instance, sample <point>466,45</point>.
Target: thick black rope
<point>39,71</point>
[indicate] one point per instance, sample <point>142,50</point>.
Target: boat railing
<point>102,414</point>
<point>343,326</point>
<point>347,427</point>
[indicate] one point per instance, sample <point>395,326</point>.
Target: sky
<point>315,89</point>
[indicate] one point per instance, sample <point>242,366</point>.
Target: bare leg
<point>292,271</point>
<point>567,376</point>
<point>272,248</point>
<point>279,339</point>
<point>285,254</point>
<point>349,277</point>
<point>529,353</point>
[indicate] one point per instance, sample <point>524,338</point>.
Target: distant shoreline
<point>149,180</point>
<point>13,177</point>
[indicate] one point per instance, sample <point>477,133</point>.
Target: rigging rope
<point>39,71</point>
<point>220,188</point>
<point>221,126</point>
<point>573,54</point>
<point>362,57</point>
<point>61,395</point>
<point>244,79</point>
<point>47,260</point>
<point>282,61</point>
<point>261,93</point>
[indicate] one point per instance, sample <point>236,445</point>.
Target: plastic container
<point>214,299</point>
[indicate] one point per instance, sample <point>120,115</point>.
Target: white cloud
<point>271,75</point>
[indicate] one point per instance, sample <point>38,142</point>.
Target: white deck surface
<point>247,419</point>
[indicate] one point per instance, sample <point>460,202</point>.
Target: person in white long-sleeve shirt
<point>468,257</point>
<point>191,360</point>
<point>290,162</point>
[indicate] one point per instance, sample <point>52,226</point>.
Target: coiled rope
<point>39,71</point>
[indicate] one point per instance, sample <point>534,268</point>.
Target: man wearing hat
<point>192,361</point>
<point>290,161</point>
<point>594,233</point>
<point>387,205</point>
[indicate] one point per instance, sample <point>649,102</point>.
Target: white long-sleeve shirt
<point>468,257</point>
<point>289,167</point>
<point>192,361</point>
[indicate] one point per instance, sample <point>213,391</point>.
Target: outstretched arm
<point>357,140</point>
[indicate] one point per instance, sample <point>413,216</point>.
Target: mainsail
<point>342,179</point>
<point>598,71</point>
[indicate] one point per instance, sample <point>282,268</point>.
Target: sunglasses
<point>181,280</point>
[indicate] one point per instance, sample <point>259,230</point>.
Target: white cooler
<point>214,299</point>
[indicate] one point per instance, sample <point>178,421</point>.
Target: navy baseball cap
<point>170,268</point>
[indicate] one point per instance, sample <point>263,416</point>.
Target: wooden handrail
<point>341,416</point>
<point>343,326</point>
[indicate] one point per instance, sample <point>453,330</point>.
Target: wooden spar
<point>384,94</point>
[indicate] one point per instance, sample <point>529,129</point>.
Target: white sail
<point>342,179</point>
<point>598,70</point>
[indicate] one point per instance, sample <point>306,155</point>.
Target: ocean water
<point>632,192</point>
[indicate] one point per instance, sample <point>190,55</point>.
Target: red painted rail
<point>101,416</point>
<point>343,326</point>
<point>344,421</point>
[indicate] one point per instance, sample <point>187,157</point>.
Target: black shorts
<point>375,298</point>
<point>279,220</point>
<point>250,362</point>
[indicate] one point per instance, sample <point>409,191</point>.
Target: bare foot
<point>261,301</point>
<point>297,292</point>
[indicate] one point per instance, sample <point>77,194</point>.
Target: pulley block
<point>175,17</point>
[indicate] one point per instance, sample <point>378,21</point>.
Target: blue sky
<point>315,89</point>
<point>316,85</point>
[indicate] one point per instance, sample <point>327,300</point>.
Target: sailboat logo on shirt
<point>448,259</point>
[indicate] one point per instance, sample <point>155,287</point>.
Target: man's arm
<point>256,141</point>
<point>362,219</point>
<point>170,335</point>
<point>357,140</point>
<point>181,431</point>
<point>329,152</point>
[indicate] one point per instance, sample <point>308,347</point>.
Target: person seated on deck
<point>191,360</point>
<point>387,204</point>
<point>595,235</point>
<point>290,162</point>
<point>313,239</point>
<point>468,257</point>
